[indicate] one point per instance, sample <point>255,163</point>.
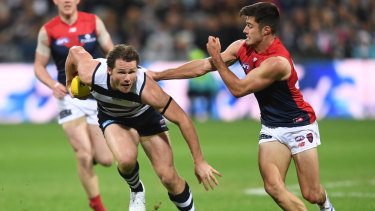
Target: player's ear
<point>109,70</point>
<point>266,30</point>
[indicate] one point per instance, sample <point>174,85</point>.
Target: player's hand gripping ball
<point>79,89</point>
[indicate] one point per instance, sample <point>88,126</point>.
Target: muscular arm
<point>42,56</point>
<point>153,95</point>
<point>80,62</point>
<point>271,70</point>
<point>198,67</point>
<point>104,38</point>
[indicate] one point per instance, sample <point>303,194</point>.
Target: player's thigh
<point>122,141</point>
<point>97,139</point>
<point>77,134</point>
<point>307,166</point>
<point>274,159</point>
<point>159,151</point>
<point>101,150</point>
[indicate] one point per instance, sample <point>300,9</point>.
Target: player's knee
<point>84,158</point>
<point>168,178</point>
<point>126,165</point>
<point>273,188</point>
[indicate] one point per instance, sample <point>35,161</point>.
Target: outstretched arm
<point>197,67</point>
<point>80,62</point>
<point>272,69</point>
<point>153,95</point>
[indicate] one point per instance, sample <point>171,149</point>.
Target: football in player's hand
<point>79,89</point>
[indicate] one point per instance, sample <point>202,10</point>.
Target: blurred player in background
<point>78,118</point>
<point>129,100</point>
<point>289,127</point>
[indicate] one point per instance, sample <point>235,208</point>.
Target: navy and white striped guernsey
<point>115,103</point>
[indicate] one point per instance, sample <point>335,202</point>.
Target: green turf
<point>38,170</point>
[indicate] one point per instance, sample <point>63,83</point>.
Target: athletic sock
<point>133,179</point>
<point>183,201</point>
<point>96,204</point>
<point>326,205</point>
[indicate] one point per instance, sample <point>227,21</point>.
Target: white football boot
<point>138,200</point>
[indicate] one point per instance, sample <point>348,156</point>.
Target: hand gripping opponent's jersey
<point>62,36</point>
<point>281,104</point>
<point>115,103</point>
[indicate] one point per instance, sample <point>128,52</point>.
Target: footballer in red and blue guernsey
<point>77,117</point>
<point>289,127</point>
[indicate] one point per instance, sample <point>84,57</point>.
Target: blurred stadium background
<point>333,46</point>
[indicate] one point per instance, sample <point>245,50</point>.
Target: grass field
<point>38,170</point>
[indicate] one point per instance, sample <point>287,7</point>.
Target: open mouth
<point>67,6</point>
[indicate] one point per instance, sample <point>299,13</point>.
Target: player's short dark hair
<point>124,52</point>
<point>265,14</point>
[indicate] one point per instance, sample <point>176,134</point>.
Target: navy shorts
<point>149,123</point>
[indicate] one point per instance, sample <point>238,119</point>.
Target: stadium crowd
<point>171,29</point>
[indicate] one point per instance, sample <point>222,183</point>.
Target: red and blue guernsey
<point>281,104</point>
<point>63,36</point>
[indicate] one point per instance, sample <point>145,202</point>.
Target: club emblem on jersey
<point>310,137</point>
<point>62,41</point>
<point>86,38</point>
<point>246,67</point>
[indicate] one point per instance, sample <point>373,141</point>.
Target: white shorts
<point>72,108</point>
<point>297,139</point>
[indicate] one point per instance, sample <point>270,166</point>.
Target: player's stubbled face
<point>67,7</point>
<point>252,32</point>
<point>123,75</point>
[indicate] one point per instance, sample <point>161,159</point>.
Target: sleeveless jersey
<point>115,103</point>
<point>281,104</point>
<point>62,36</point>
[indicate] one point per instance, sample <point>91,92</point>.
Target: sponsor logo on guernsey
<point>72,29</point>
<point>86,38</point>
<point>299,138</point>
<point>62,41</point>
<point>310,137</point>
<point>301,144</point>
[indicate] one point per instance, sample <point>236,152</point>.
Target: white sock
<point>326,206</point>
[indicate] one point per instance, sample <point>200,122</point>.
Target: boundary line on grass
<point>295,190</point>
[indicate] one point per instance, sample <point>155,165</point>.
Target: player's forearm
<point>70,69</point>
<point>191,69</point>
<point>229,78</point>
<point>191,137</point>
<point>43,76</point>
